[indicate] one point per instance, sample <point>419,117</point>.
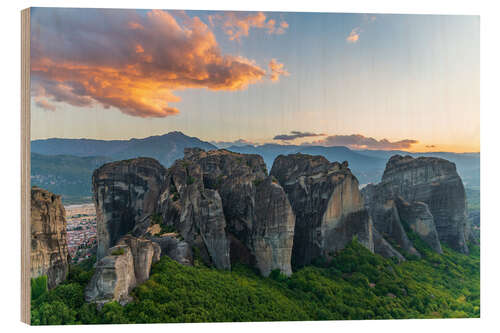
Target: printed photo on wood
<point>219,166</point>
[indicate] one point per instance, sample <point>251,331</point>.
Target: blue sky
<point>403,77</point>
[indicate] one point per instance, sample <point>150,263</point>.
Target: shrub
<point>118,252</point>
<point>38,286</point>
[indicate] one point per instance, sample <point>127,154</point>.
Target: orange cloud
<point>356,32</point>
<point>277,69</point>
<point>354,35</point>
<point>134,62</point>
<point>236,25</point>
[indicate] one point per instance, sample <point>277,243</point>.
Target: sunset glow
<point>365,81</point>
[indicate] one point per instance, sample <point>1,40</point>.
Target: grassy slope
<point>437,286</point>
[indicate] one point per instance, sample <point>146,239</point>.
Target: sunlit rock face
<point>328,206</point>
<point>435,182</point>
<point>125,195</point>
<point>49,251</point>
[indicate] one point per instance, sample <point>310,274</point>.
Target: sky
<point>366,81</point>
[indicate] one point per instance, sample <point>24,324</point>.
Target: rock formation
<point>114,277</point>
<point>327,204</point>
<point>273,229</point>
<point>49,251</point>
<point>195,212</point>
<point>124,267</point>
<point>382,247</point>
<point>435,182</point>
<point>144,253</point>
<point>223,204</point>
<point>125,195</point>
<point>175,248</point>
<point>386,219</point>
<point>420,220</point>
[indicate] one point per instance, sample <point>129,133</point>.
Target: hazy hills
<point>65,166</point>
<point>165,148</point>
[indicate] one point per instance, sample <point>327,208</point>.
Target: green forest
<point>356,284</point>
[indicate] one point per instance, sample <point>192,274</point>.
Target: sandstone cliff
<point>125,195</point>
<point>327,204</point>
<point>49,252</point>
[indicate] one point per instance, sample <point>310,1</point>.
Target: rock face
<point>125,195</point>
<point>195,212</point>
<point>273,229</point>
<point>327,204</point>
<point>435,182</point>
<point>386,218</point>
<point>124,266</point>
<point>420,220</point>
<point>49,251</point>
<point>144,253</point>
<point>223,204</point>
<point>114,277</point>
<point>175,248</point>
<point>382,247</point>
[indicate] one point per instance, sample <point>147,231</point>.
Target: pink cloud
<point>358,141</point>
<point>237,25</point>
<point>134,62</point>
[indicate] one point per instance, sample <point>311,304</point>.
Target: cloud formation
<point>131,61</point>
<point>355,33</point>
<point>358,141</point>
<point>296,135</point>
<point>238,24</point>
<point>276,70</point>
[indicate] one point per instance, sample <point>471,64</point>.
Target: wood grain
<point>25,167</point>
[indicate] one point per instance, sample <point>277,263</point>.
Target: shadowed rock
<point>420,220</point>
<point>221,203</point>
<point>195,212</point>
<point>435,182</point>
<point>327,204</point>
<point>272,232</point>
<point>386,218</point>
<point>175,249</point>
<point>49,251</point>
<point>125,195</point>
<point>382,247</point>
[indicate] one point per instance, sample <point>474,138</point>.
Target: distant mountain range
<point>65,166</point>
<point>165,148</point>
